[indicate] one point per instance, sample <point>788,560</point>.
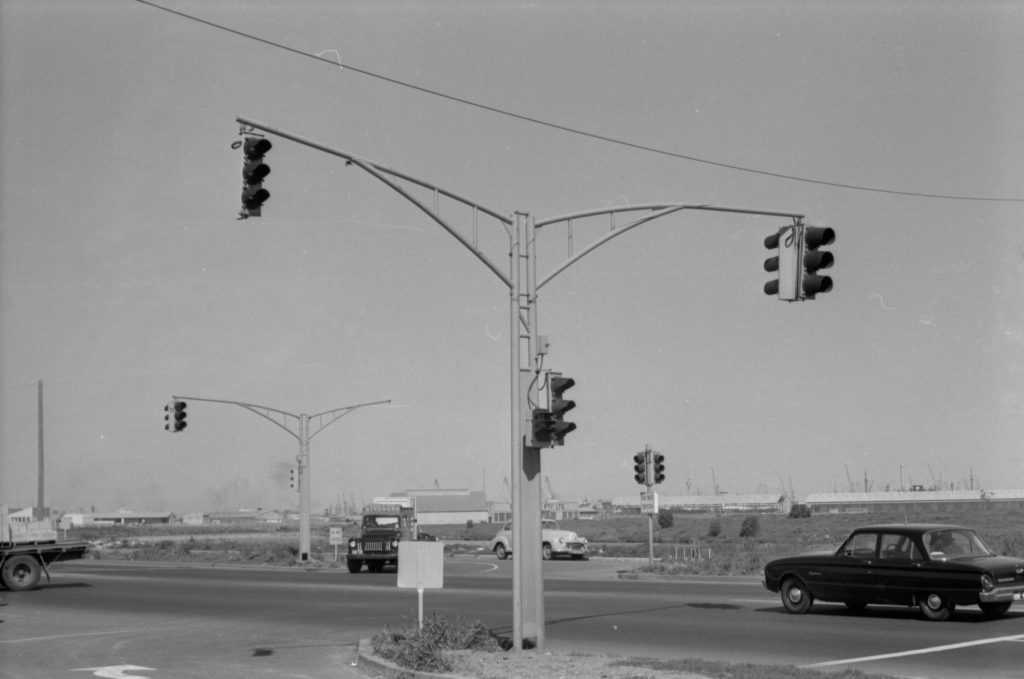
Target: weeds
<point>424,649</point>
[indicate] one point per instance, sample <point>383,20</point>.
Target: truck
<point>382,527</point>
<point>27,548</point>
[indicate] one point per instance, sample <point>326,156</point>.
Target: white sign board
<point>421,564</point>
<point>649,502</point>
<point>336,537</point>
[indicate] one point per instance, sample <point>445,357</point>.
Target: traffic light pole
<point>523,286</point>
<point>301,422</point>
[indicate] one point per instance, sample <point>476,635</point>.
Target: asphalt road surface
<point>160,620</point>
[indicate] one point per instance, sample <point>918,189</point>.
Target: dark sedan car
<point>934,567</point>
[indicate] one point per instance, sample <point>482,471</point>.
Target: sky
<point>125,277</point>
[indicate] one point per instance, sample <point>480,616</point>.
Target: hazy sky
<point>125,277</point>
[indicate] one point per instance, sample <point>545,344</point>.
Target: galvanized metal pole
<point>516,427</point>
<point>304,490</point>
<point>533,496</point>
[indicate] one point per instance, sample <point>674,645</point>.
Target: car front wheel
<point>546,553</point>
<point>795,596</point>
<point>994,610</point>
<point>935,607</point>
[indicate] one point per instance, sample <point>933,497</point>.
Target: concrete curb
<point>384,668</point>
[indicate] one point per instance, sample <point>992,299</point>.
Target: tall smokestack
<point>39,492</point>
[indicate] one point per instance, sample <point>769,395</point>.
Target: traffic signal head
<point>786,242</point>
<point>640,468</point>
<point>659,467</point>
<point>174,416</point>
<point>798,261</point>
<point>814,259</point>
<point>254,170</point>
<point>558,406</point>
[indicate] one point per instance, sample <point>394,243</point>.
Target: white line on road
<point>919,651</point>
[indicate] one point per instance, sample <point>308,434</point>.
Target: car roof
<point>909,528</point>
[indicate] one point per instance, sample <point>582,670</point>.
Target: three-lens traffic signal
<point>254,170</point>
<point>175,415</point>
<point>659,467</point>
<point>640,468</point>
<point>549,425</point>
<point>798,261</point>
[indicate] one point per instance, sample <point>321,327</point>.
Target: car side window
<point>861,546</point>
<point>896,546</point>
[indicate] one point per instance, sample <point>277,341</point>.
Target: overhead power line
<point>566,128</point>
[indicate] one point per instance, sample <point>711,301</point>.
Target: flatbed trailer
<point>28,547</point>
<point>23,564</point>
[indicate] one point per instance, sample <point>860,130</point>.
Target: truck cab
<point>382,527</point>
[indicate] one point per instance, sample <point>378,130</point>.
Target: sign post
<point>649,506</point>
<point>420,566</point>
<point>336,538</point>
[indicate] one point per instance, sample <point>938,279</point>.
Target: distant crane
<point>508,490</point>
<point>552,496</point>
<point>849,479</point>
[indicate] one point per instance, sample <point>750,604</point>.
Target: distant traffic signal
<point>659,467</point>
<point>254,170</point>
<point>291,478</point>
<point>640,462</point>
<point>557,386</point>
<point>175,415</point>
<point>798,261</point>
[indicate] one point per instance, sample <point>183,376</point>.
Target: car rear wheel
<point>935,607</point>
<point>795,596</point>
<point>501,552</point>
<point>994,610</point>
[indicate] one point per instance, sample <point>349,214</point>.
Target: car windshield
<point>955,542</point>
<point>380,521</point>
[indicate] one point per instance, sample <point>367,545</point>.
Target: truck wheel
<point>20,573</point>
<point>501,552</point>
<point>354,566</point>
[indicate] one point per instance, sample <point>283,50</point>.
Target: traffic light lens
<point>257,146</point>
<point>255,172</point>
<point>816,236</point>
<point>818,260</point>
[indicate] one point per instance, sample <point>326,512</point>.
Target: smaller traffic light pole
<point>302,433</point>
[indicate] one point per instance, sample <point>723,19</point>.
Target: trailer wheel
<point>20,573</point>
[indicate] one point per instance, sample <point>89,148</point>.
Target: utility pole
<point>301,431</point>
<point>526,346</point>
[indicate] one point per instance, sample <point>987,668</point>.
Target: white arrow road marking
<point>116,671</point>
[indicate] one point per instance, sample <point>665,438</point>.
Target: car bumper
<point>571,549</point>
<point>1001,594</point>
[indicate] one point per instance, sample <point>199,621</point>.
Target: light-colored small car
<point>554,542</point>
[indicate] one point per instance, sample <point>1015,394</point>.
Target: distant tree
<point>750,528</point>
<point>666,519</point>
<point>714,528</point>
<point>799,511</point>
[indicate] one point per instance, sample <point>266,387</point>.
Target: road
<point>220,622</point>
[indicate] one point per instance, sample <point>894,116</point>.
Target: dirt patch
<point>530,665</point>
